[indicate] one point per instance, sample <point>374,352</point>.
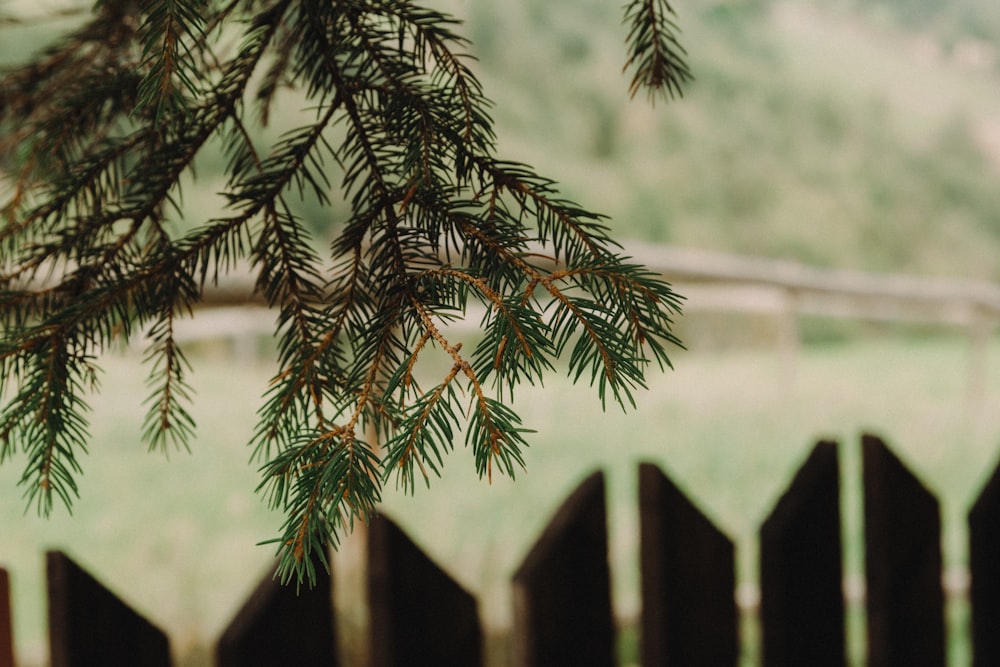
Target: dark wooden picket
<point>282,625</point>
<point>689,613</point>
<point>562,593</point>
<point>419,614</point>
<point>6,625</point>
<point>562,590</point>
<point>984,570</point>
<point>902,563</point>
<point>802,603</point>
<point>91,627</point>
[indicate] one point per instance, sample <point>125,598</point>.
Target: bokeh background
<point>858,134</point>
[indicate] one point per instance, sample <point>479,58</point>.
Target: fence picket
<point>688,579</point>
<point>802,601</point>
<point>419,614</point>
<point>282,625</point>
<point>6,625</point>
<point>984,570</point>
<point>902,563</point>
<point>562,590</point>
<point>89,626</point>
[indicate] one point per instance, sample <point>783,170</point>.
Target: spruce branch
<point>98,132</point>
<point>654,49</point>
<point>167,421</point>
<point>169,32</point>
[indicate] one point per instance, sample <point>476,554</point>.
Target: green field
<point>178,536</point>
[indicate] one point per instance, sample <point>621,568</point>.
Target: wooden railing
<point>823,291</point>
<point>714,280</point>
<point>720,282</point>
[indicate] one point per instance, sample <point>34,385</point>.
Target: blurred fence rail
<point>563,611</point>
<point>720,281</point>
<point>725,283</point>
<point>733,281</point>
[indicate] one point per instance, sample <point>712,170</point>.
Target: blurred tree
<point>97,132</point>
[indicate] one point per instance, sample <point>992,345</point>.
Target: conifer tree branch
<point>167,420</point>
<point>169,31</point>
<point>654,49</point>
<point>400,130</point>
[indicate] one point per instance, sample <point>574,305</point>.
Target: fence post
<point>984,569</point>
<point>282,625</point>
<point>688,579</point>
<point>902,563</point>
<point>419,614</point>
<point>6,624</point>
<point>562,590</point>
<point>802,601</point>
<point>91,627</point>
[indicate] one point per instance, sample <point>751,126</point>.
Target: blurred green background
<point>841,133</point>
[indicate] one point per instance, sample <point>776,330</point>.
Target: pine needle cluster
<point>97,132</point>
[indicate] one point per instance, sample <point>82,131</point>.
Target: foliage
<point>802,118</point>
<point>952,21</point>
<point>99,130</point>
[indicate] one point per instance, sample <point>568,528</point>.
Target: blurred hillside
<point>854,133</point>
<point>857,134</point>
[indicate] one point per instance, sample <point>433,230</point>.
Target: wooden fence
<point>714,282</point>
<point>562,592</point>
<point>787,291</point>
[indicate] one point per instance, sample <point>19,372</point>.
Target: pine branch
<point>100,130</point>
<point>46,416</point>
<point>167,421</point>
<point>654,49</point>
<point>169,31</point>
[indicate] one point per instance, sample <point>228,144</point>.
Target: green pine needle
<point>97,134</point>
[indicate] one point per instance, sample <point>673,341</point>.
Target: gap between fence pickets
<point>955,582</point>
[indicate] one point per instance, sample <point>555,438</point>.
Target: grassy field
<point>177,537</point>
